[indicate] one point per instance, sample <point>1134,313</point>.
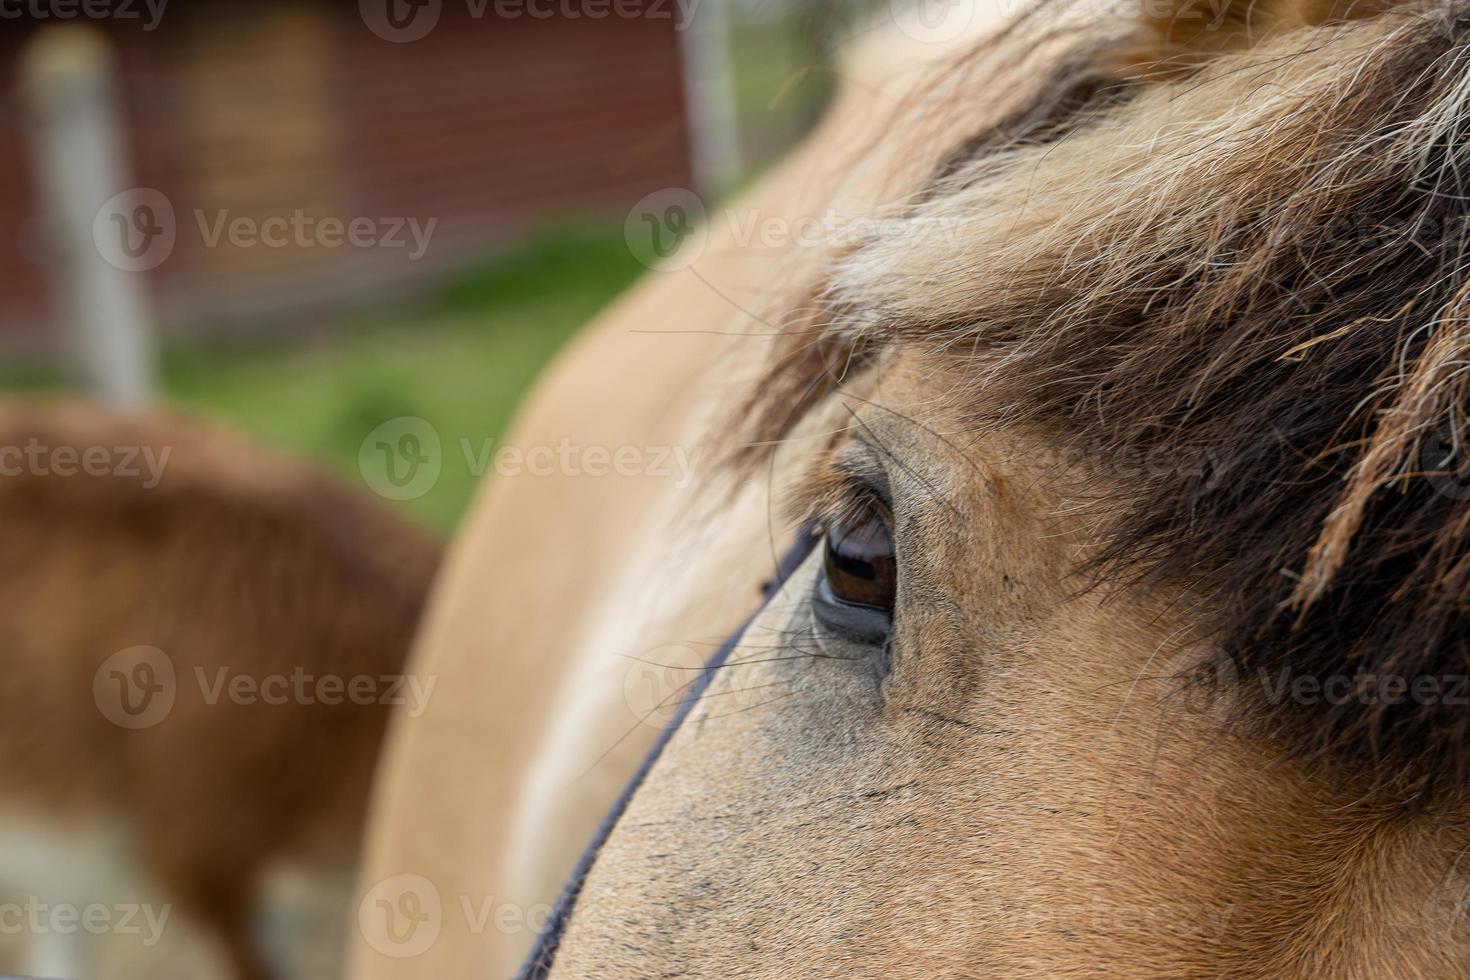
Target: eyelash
<point>836,497</point>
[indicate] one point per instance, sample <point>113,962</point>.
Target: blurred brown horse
<point>200,639</point>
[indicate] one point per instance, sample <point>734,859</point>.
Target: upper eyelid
<point>849,480</point>
<point>863,465</point>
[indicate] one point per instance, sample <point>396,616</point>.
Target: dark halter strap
<point>538,964</point>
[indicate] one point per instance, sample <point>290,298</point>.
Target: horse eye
<point>859,563</point>
<point>859,582</point>
<point>860,578</point>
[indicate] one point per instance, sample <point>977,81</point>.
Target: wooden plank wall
<point>260,109</point>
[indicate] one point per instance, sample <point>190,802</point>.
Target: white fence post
<point>69,83</point>
<point>709,96</point>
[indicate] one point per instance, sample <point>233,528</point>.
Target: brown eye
<point>859,564</point>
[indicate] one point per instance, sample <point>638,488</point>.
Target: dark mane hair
<point>1263,262</point>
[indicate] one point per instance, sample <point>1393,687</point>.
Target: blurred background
<point>308,219</point>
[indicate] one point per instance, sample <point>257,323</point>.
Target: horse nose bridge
<point>542,957</point>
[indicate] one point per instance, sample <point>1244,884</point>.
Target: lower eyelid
<point>859,624</point>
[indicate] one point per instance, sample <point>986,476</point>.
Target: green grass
<point>782,83</point>
<point>461,360</point>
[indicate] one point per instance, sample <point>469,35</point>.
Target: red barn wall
<point>254,110</point>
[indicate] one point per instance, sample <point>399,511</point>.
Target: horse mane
<point>1250,259</point>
